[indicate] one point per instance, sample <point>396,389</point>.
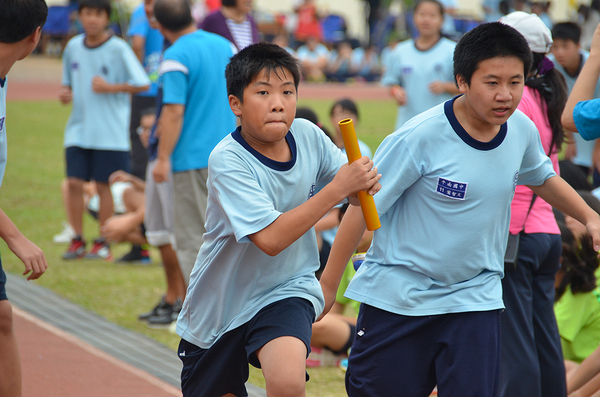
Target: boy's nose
<point>277,104</point>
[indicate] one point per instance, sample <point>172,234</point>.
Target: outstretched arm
<point>585,85</point>
<point>30,254</point>
<point>560,195</point>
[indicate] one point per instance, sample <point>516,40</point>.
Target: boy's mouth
<point>501,111</point>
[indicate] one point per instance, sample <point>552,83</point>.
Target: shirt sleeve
<point>587,119</point>
<point>66,67</point>
<point>393,72</point>
<point>135,71</point>
<point>536,167</point>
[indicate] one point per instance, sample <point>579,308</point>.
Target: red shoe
<point>100,250</point>
<point>76,249</point>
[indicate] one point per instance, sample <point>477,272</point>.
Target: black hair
<point>553,89</point>
<point>308,114</point>
<point>247,64</point>
<point>579,263</point>
<point>436,2</point>
<point>228,3</point>
<point>345,104</point>
<point>102,5</point>
<point>486,41</point>
<point>20,18</point>
<point>566,31</point>
<point>173,15</point>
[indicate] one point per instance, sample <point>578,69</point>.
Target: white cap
<point>532,28</point>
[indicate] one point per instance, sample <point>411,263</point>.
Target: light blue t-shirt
<point>99,120</point>
<point>414,70</point>
<point>585,149</point>
<point>192,74</point>
<point>233,279</point>
<point>444,208</point>
<point>3,147</point>
<point>329,234</point>
<point>304,53</point>
<point>139,26</point>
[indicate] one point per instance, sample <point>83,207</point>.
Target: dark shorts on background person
<point>2,283</point>
<point>92,164</point>
<point>395,355</point>
<point>223,368</point>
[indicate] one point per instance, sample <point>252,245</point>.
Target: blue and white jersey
<point>100,120</point>
<point>3,147</point>
<point>445,211</point>
<point>153,46</point>
<point>585,149</point>
<point>192,74</point>
<point>414,70</point>
<point>329,234</point>
<point>233,279</point>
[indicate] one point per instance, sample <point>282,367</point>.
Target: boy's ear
<point>461,83</point>
<point>236,105</point>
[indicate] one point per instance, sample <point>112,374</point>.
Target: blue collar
<point>275,165</point>
<point>464,135</point>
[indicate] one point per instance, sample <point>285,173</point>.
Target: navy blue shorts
<point>223,368</point>
<point>2,283</point>
<point>97,165</point>
<point>395,355</point>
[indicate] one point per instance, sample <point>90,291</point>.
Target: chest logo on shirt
<point>452,189</point>
<point>2,124</point>
<point>312,190</point>
<point>515,179</point>
<point>407,70</point>
<point>104,70</point>
<point>74,66</point>
<point>438,67</point>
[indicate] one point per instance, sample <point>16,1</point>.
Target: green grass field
<point>31,197</point>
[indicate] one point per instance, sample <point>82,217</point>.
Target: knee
<point>6,319</point>
<point>283,386</point>
<point>74,185</point>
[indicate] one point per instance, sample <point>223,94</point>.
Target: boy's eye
<point>492,83</point>
<point>288,92</point>
<point>262,92</point>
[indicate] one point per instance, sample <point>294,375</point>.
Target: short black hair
<point>173,15</point>
<point>345,104</point>
<point>20,18</point>
<point>103,5</point>
<point>486,41</point>
<point>566,31</point>
<point>228,3</point>
<point>253,60</point>
<point>308,114</point>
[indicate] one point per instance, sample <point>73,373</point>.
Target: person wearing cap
<point>582,111</point>
<point>531,354</point>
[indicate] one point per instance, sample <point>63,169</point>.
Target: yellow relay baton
<point>367,204</point>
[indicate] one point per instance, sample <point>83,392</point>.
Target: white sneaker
<point>65,236</point>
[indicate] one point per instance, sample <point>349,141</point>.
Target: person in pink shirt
<point>531,355</point>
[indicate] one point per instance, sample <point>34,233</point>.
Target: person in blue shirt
<point>253,295</point>
<point>582,110</point>
<point>569,58</point>
<point>419,70</point>
<point>21,24</point>
<point>195,116</point>
<point>430,285</point>
<point>99,72</point>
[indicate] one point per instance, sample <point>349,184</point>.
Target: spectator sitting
<point>308,22</point>
<point>282,41</point>
<point>234,22</point>
<point>313,57</point>
<point>366,63</point>
<point>340,66</point>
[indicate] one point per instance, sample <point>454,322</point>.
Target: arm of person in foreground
<point>560,195</point>
<point>585,85</point>
<point>346,240</point>
<point>588,370</point>
<point>101,86</point>
<point>291,225</point>
<point>168,131</point>
<point>30,254</point>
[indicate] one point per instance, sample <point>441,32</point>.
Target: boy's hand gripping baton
<point>367,204</point>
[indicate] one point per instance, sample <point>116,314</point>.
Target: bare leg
<point>176,287</point>
<point>10,362</point>
<point>283,362</point>
<point>106,202</point>
<point>74,204</point>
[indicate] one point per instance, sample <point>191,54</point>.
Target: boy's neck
<point>277,151</point>
<point>95,40</point>
<point>234,14</point>
<point>574,70</point>
<point>424,43</point>
<point>8,57</point>
<point>476,127</point>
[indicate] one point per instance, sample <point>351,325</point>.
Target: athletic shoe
<point>157,310</point>
<point>136,255</point>
<point>344,365</point>
<point>165,319</point>
<point>76,250</point>
<point>358,259</point>
<point>65,236</point>
<point>100,250</point>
